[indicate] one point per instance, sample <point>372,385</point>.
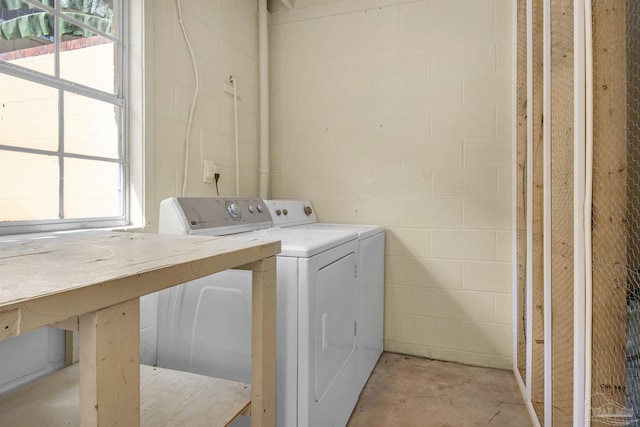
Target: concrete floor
<point>409,391</point>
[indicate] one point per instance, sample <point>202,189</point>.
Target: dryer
<point>204,325</point>
<point>300,215</point>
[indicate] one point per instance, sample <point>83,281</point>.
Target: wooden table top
<point>44,279</point>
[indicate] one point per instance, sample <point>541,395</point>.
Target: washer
<point>299,214</point>
<point>204,325</point>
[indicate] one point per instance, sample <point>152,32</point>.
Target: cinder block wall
<point>401,116</point>
<point>224,37</point>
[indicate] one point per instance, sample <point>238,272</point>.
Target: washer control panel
<point>213,215</point>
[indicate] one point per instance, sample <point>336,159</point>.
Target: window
<point>62,115</point>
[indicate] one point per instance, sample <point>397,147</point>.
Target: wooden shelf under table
<point>167,398</point>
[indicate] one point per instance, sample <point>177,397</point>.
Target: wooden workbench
<point>93,280</point>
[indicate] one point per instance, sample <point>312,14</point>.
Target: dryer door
<point>335,321</point>
<point>327,343</point>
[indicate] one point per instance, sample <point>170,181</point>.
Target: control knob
<point>233,210</point>
<point>307,210</point>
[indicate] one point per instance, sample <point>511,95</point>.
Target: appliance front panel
<point>204,326</point>
<point>335,321</point>
<point>327,385</point>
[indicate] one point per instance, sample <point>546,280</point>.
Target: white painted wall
<point>224,36</point>
<point>400,115</point>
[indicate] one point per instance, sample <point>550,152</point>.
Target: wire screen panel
<point>615,229</point>
<point>562,205</point>
<point>632,339</point>
<point>521,188</point>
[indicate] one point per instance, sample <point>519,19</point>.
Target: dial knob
<point>284,211</point>
<point>259,207</point>
<point>307,210</point>
<point>251,210</point>
<point>278,212</point>
<point>233,210</point>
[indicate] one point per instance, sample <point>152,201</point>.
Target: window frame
<point>118,99</point>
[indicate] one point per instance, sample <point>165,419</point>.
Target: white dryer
<point>299,214</point>
<point>204,325</point>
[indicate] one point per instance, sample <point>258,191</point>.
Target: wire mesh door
<point>614,395</point>
<point>578,295</point>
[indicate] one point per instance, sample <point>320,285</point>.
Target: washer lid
<point>304,243</point>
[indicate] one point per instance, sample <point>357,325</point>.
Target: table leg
<point>109,341</point>
<point>263,343</point>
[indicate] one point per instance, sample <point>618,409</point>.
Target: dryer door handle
<point>324,330</point>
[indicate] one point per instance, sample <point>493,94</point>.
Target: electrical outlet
<point>210,169</point>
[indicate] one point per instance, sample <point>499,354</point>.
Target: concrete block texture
<point>400,115</point>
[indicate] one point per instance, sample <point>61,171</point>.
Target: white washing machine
<point>204,325</point>
<point>299,214</point>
